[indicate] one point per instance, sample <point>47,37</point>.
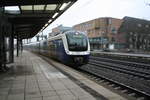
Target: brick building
<point>127,33</point>
<point>134,33</point>
<point>102,32</point>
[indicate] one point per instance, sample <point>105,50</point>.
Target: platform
<point>32,78</point>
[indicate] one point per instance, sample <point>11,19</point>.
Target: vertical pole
<point>3,49</point>
<point>0,42</point>
<point>17,44</point>
<point>0,46</point>
<point>11,42</point>
<point>21,45</point>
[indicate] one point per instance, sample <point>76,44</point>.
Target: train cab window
<point>77,42</point>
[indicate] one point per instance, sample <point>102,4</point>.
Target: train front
<point>78,48</point>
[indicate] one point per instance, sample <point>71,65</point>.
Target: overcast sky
<point>84,10</point>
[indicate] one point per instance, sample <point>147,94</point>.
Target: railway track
<point>136,64</point>
<point>128,69</point>
<point>130,75</point>
<point>126,58</point>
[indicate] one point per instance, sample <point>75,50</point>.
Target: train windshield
<point>77,42</point>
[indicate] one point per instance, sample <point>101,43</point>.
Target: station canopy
<point>32,16</point>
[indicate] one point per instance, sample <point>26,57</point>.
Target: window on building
<point>113,39</point>
<point>145,40</point>
<point>147,26</point>
<point>103,32</point>
<point>141,47</point>
<point>135,35</point>
<point>110,21</point>
<point>139,25</point>
<point>131,46</point>
<point>130,39</point>
<point>113,30</point>
<point>131,33</point>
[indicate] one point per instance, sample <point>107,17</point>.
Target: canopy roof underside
<point>33,16</point>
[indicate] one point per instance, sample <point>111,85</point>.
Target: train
<point>70,48</point>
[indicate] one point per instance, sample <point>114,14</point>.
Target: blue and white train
<point>71,47</point>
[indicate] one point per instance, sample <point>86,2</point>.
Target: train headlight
<point>70,53</point>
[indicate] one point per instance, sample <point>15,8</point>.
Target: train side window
<point>53,45</point>
<point>50,45</point>
<point>59,42</point>
<point>45,45</point>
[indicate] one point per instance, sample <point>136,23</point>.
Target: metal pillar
<point>17,44</point>
<point>1,63</point>
<point>11,42</point>
<point>3,50</point>
<point>21,45</point>
<point>1,42</point>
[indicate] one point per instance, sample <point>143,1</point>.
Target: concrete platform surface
<point>31,78</point>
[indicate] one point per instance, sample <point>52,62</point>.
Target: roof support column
<point>17,44</point>
<point>11,42</point>
<point>1,42</point>
<point>21,45</point>
<point>3,50</point>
